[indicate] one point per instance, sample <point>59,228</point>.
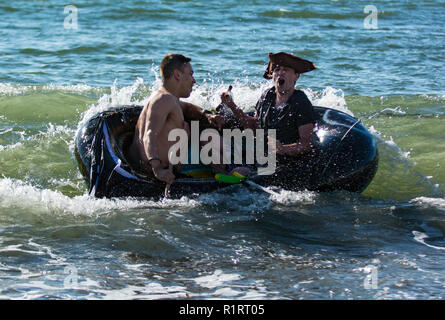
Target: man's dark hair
<point>171,62</point>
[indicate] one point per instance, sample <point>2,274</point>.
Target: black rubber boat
<point>345,157</point>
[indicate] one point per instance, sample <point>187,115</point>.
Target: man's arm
<point>304,145</point>
<point>192,111</point>
<point>305,131</point>
<point>242,118</point>
<point>160,109</point>
<point>158,113</point>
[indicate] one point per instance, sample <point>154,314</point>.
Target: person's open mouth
<point>281,81</point>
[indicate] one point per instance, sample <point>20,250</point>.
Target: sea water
<point>380,61</point>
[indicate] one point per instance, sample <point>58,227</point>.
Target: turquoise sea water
<point>59,65</point>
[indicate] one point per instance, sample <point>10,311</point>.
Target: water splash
<point>19,194</point>
<point>422,237</point>
<point>429,202</point>
<point>291,198</point>
<point>116,97</point>
<point>329,98</point>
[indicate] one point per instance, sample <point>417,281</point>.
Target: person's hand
<point>216,120</point>
<point>162,174</point>
<point>274,144</point>
<point>226,98</point>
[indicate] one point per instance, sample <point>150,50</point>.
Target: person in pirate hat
<point>282,107</point>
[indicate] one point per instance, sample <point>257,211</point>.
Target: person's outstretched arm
<point>245,121</point>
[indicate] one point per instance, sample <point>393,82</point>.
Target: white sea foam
<point>257,201</point>
<point>117,97</point>
<point>7,89</point>
<point>394,145</point>
<point>429,202</point>
<point>244,201</point>
<point>245,94</point>
<point>289,198</point>
<point>216,279</point>
<point>150,290</point>
<point>207,95</point>
<point>10,146</point>
<point>395,111</point>
<point>421,237</point>
<point>16,193</point>
<point>62,132</point>
<point>76,88</point>
<point>329,98</point>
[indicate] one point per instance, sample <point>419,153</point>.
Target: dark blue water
<point>57,68</point>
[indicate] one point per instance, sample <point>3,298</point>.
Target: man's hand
<point>162,174</point>
<point>227,99</point>
<point>215,120</point>
<point>274,145</point>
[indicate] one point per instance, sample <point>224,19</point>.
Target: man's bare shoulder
<point>164,100</point>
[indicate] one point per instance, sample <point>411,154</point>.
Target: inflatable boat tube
<point>345,157</point>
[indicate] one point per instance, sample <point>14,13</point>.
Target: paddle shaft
<point>257,186</point>
<point>241,179</point>
<point>167,186</point>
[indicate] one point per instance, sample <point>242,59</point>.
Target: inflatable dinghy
<point>345,157</point>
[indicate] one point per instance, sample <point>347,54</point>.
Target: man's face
<point>187,80</point>
<point>284,78</point>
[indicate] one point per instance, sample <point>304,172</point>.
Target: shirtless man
<point>164,112</point>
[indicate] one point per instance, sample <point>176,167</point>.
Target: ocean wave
<point>307,14</point>
<point>74,50</point>
<point>9,9</point>
<point>11,146</point>
<point>207,95</point>
<point>51,134</point>
<point>429,202</point>
<point>8,89</point>
<point>292,198</point>
<point>398,175</point>
<point>422,238</point>
<point>132,12</point>
<point>330,98</point>
<point>20,194</point>
<point>285,13</point>
<point>116,97</point>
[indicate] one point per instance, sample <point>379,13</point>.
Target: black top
<point>297,111</point>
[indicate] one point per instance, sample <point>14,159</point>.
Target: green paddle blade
<point>228,179</point>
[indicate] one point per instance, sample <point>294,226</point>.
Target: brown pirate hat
<point>287,60</point>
